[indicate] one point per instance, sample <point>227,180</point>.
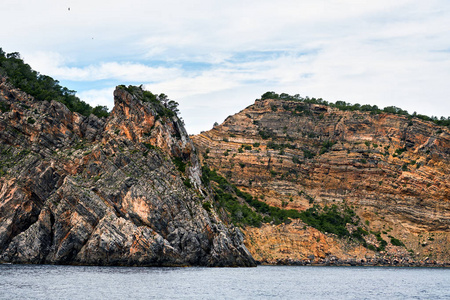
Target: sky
<point>216,57</point>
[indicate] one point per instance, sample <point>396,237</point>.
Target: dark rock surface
<point>84,190</point>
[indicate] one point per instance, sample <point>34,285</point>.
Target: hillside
<point>118,190</point>
<point>370,187</point>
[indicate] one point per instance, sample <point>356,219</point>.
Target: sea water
<point>263,282</point>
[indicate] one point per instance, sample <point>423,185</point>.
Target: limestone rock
<point>122,190</point>
<point>394,171</point>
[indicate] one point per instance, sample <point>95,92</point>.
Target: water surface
<point>263,282</point>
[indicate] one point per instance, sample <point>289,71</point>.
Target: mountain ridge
<point>296,155</point>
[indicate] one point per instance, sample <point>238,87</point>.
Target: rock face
<point>124,190</point>
<point>393,171</point>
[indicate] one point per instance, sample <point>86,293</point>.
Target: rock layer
<point>393,170</point>
<point>84,190</point>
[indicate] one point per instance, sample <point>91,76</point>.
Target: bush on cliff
<point>331,219</point>
<point>42,87</point>
<point>342,105</point>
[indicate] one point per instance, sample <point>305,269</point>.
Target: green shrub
<point>308,154</point>
<point>149,146</point>
<point>382,246</point>
<point>396,242</point>
<point>266,134</point>
<point>187,183</point>
<point>4,107</point>
<point>329,219</point>
<point>295,159</point>
<point>180,164</point>
<point>371,247</point>
<point>326,146</point>
<point>400,151</point>
<point>207,206</point>
<point>275,146</point>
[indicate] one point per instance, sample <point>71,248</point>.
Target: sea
<point>262,282</point>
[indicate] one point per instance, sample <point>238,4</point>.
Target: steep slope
<point>122,190</point>
<point>393,171</point>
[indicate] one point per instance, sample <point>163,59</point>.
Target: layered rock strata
<point>391,169</point>
<point>122,190</point>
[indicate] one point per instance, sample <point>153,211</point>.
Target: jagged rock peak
<point>121,190</point>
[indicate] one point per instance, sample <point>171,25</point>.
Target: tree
<point>269,95</point>
<point>14,55</point>
<point>163,98</point>
<point>173,106</point>
<point>41,87</point>
<point>100,111</point>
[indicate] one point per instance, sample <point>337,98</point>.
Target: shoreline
<point>381,262</point>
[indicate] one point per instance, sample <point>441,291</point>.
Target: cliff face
<point>124,190</point>
<point>393,171</point>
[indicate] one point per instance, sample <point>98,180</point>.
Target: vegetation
<point>253,212</point>
<point>187,183</point>
<point>396,242</point>
<point>42,87</point>
<point>331,219</point>
<point>383,243</point>
<point>326,146</point>
<point>266,134</point>
<point>272,145</point>
<point>163,105</point>
<point>180,164</point>
<point>100,111</point>
<point>4,107</point>
<point>342,105</point>
<point>248,211</point>
<point>207,206</point>
<point>308,154</point>
<point>239,213</point>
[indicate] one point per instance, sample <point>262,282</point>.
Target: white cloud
<point>103,97</point>
<point>215,54</point>
<point>54,64</point>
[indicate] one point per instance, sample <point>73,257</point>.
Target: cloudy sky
<point>216,57</point>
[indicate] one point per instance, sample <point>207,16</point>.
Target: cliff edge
<point>121,190</point>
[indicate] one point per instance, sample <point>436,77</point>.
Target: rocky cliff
<point>391,170</point>
<point>122,190</point>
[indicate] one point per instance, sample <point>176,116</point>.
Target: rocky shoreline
<point>377,262</point>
